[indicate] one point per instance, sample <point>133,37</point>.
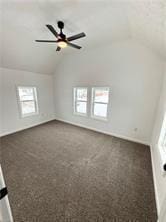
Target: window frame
<point>75,100</point>
<point>161,143</point>
<point>93,102</point>
<point>35,100</point>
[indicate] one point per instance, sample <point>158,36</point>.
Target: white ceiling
<point>23,21</point>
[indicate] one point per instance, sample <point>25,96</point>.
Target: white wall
<point>134,75</point>
<point>10,116</point>
<point>160,180</point>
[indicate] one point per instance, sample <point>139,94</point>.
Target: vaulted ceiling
<point>103,21</point>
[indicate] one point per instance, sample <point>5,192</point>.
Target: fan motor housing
<point>62,36</point>
<point>60,24</point>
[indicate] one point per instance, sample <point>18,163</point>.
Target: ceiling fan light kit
<point>62,44</point>
<point>62,41</point>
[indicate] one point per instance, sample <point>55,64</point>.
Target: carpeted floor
<point>57,172</point>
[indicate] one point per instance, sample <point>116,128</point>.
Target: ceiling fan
<point>62,41</point>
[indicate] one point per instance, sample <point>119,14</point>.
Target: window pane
<point>26,93</point>
<point>28,107</point>
<point>164,140</point>
<point>81,107</point>
<point>101,95</point>
<point>100,110</point>
<point>82,94</point>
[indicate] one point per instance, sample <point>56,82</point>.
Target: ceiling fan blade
<point>51,28</point>
<point>58,48</point>
<point>74,45</point>
<point>45,41</point>
<point>78,36</point>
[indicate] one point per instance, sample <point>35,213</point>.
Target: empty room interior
<point>83,111</point>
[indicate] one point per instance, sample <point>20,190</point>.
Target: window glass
<point>82,94</point>
<point>26,94</point>
<point>101,95</point>
<point>80,100</point>
<point>100,100</point>
<point>81,107</point>
<point>27,101</point>
<point>162,139</point>
<point>28,107</point>
<point>100,110</point>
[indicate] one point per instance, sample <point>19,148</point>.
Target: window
<point>162,141</point>
<point>27,101</point>
<point>80,100</point>
<point>100,100</point>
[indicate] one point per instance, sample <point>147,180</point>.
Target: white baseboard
<point>155,182</point>
<point>26,127</point>
<point>76,124</point>
<point>105,132</point>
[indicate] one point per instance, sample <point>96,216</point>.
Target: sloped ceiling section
<point>148,23</point>
<point>103,22</point>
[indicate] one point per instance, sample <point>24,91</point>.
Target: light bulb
<point>62,44</point>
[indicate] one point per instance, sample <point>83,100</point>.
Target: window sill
<point>163,160</point>
<point>100,118</point>
<point>80,114</point>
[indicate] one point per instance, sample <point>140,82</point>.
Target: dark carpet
<point>57,172</point>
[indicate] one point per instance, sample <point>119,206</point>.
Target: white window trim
<point>93,102</point>
<point>75,101</point>
<point>162,150</point>
<point>35,100</point>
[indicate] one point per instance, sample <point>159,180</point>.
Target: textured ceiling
<point>23,21</point>
<point>148,23</point>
